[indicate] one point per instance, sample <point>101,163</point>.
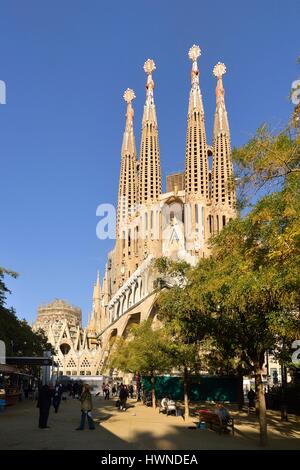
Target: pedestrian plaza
<point>138,428</point>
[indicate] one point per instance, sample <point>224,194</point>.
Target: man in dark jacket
<point>57,393</point>
<point>131,390</point>
<point>123,395</point>
<point>44,403</point>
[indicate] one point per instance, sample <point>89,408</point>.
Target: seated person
<point>171,406</point>
<point>164,404</point>
<point>222,413</point>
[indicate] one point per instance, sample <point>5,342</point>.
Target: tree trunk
<point>262,412</point>
<point>284,414</point>
<point>186,392</point>
<point>153,392</point>
<point>138,386</point>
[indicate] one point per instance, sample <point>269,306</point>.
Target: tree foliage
<point>17,335</point>
<point>244,299</point>
<point>143,351</point>
<point>265,161</point>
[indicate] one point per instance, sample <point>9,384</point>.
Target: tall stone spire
<point>97,290</point>
<point>128,171</point>
<point>150,171</point>
<point>94,323</point>
<point>196,163</point>
<point>223,191</point>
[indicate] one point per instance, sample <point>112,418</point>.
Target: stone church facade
<point>151,223</point>
<point>77,353</point>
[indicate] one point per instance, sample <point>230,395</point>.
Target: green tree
<point>175,310</point>
<point>247,303</point>
<point>17,335</point>
<point>264,163</point>
<point>244,299</point>
<point>250,286</point>
<point>144,351</point>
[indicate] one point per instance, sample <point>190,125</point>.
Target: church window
<point>65,348</point>
<point>129,238</point>
<point>210,221</point>
<point>85,363</point>
<point>71,363</point>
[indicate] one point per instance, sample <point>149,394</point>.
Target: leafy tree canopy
<point>18,336</point>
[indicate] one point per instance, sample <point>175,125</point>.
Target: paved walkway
<point>137,428</point>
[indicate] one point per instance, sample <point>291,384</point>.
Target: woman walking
<point>86,408</point>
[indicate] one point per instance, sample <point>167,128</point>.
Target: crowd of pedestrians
<point>118,390</point>
<point>52,395</point>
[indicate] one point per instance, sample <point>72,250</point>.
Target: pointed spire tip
<point>194,52</point>
<point>219,69</point>
<point>149,66</point>
<point>129,95</point>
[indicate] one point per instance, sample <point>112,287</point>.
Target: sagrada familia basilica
<point>151,224</point>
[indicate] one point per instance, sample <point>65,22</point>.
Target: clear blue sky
<point>66,64</point>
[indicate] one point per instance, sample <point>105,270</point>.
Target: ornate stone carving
<point>194,52</point>
<point>219,70</point>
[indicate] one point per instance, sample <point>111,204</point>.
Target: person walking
<point>26,390</point>
<point>44,403</point>
<point>131,390</point>
<point>251,398</point>
<point>139,392</point>
<point>106,391</point>
<point>123,395</point>
<point>86,409</point>
<point>57,396</point>
<point>75,390</point>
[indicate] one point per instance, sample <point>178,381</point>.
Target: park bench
<point>213,420</point>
